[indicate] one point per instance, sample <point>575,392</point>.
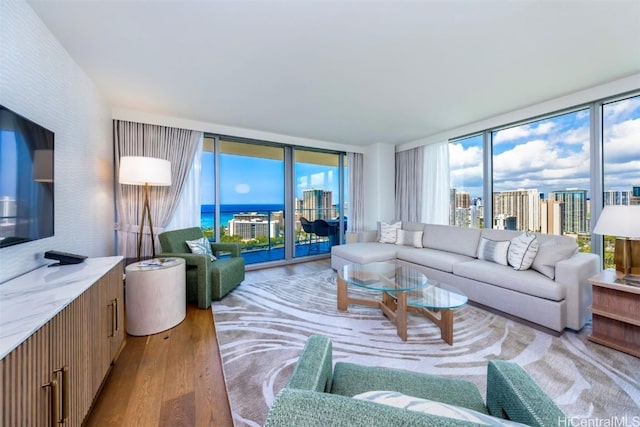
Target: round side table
<point>155,295</point>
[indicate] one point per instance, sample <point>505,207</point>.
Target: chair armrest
<point>197,260</point>
<point>314,369</point>
<point>513,394</point>
<point>232,248</point>
<point>295,408</point>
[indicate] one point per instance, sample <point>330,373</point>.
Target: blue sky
<point>252,180</point>
<point>553,154</point>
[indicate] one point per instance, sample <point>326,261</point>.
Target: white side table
<point>155,295</point>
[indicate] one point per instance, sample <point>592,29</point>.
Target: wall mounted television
<point>26,180</point>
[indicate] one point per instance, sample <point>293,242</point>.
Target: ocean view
<point>227,212</point>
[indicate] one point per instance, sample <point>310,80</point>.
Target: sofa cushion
<point>366,252</point>
<point>522,251</point>
<point>409,238</point>
<point>494,250</point>
<point>389,232</point>
<point>432,258</point>
<point>550,252</point>
<point>529,282</point>
<point>399,400</point>
<point>459,240</point>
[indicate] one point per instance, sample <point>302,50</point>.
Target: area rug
<point>262,327</point>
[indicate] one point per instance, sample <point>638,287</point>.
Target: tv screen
<point>26,180</point>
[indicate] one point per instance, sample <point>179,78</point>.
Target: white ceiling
<point>353,72</point>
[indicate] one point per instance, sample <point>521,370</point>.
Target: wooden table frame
<point>396,309</point>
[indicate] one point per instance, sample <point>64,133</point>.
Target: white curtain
<point>436,187</point>
<point>409,184</point>
<point>187,213</point>
<point>355,165</point>
<point>137,139</point>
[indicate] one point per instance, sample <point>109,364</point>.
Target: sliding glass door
<point>247,186</point>
<point>319,216</point>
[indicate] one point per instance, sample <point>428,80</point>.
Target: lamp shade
<point>619,221</point>
<point>138,170</point>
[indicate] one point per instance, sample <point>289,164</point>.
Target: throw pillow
<point>388,232</point>
<point>409,238</point>
<point>399,400</point>
<point>522,251</point>
<point>201,246</point>
<point>494,250</point>
<point>549,253</point>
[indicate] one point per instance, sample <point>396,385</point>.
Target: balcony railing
<point>261,233</point>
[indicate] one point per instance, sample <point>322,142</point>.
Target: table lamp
<point>623,222</point>
<point>137,170</point>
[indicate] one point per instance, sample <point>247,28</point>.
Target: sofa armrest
<point>295,408</point>
<point>513,394</point>
<point>574,273</point>
<point>232,248</point>
<point>314,369</point>
<point>365,236</point>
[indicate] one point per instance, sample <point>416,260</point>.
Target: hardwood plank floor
<point>175,378</point>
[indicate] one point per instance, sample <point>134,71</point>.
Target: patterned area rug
<point>262,327</point>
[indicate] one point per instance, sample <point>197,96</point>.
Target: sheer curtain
<point>409,184</point>
<point>436,187</point>
<point>187,213</point>
<point>355,164</point>
<point>137,139</point>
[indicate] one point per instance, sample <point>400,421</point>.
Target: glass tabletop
<point>383,276</point>
<point>436,296</point>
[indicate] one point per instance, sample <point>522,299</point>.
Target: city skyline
<point>553,154</point>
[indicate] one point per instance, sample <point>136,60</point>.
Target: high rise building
<point>523,205</point>
<point>613,197</point>
<point>316,204</point>
<point>253,225</point>
<point>635,195</point>
<point>504,222</point>
<point>575,209</point>
<point>552,217</point>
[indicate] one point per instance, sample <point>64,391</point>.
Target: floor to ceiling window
<point>317,201</point>
<point>541,175</point>
<point>245,199</point>
<point>541,172</point>
<point>467,183</point>
<point>621,159</point>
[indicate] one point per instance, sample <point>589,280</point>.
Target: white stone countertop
<point>31,300</point>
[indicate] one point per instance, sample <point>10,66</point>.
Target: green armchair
<point>320,395</point>
<point>206,280</point>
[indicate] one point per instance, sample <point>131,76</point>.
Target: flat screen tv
<point>26,180</point>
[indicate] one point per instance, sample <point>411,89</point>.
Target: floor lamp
<point>146,171</point>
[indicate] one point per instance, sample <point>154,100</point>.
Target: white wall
<point>379,184</point>
<point>613,88</point>
<point>156,119</point>
<point>40,81</point>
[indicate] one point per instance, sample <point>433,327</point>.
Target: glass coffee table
<point>404,289</point>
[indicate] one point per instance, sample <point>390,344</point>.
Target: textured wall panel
<point>39,80</point>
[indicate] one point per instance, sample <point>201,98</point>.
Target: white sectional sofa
<point>553,293</point>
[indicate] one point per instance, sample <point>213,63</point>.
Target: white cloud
<point>460,158</point>
<point>524,131</point>
<point>242,188</point>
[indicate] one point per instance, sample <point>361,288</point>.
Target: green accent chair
<point>319,395</point>
<point>206,280</point>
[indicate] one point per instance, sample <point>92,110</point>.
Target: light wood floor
<point>175,378</point>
